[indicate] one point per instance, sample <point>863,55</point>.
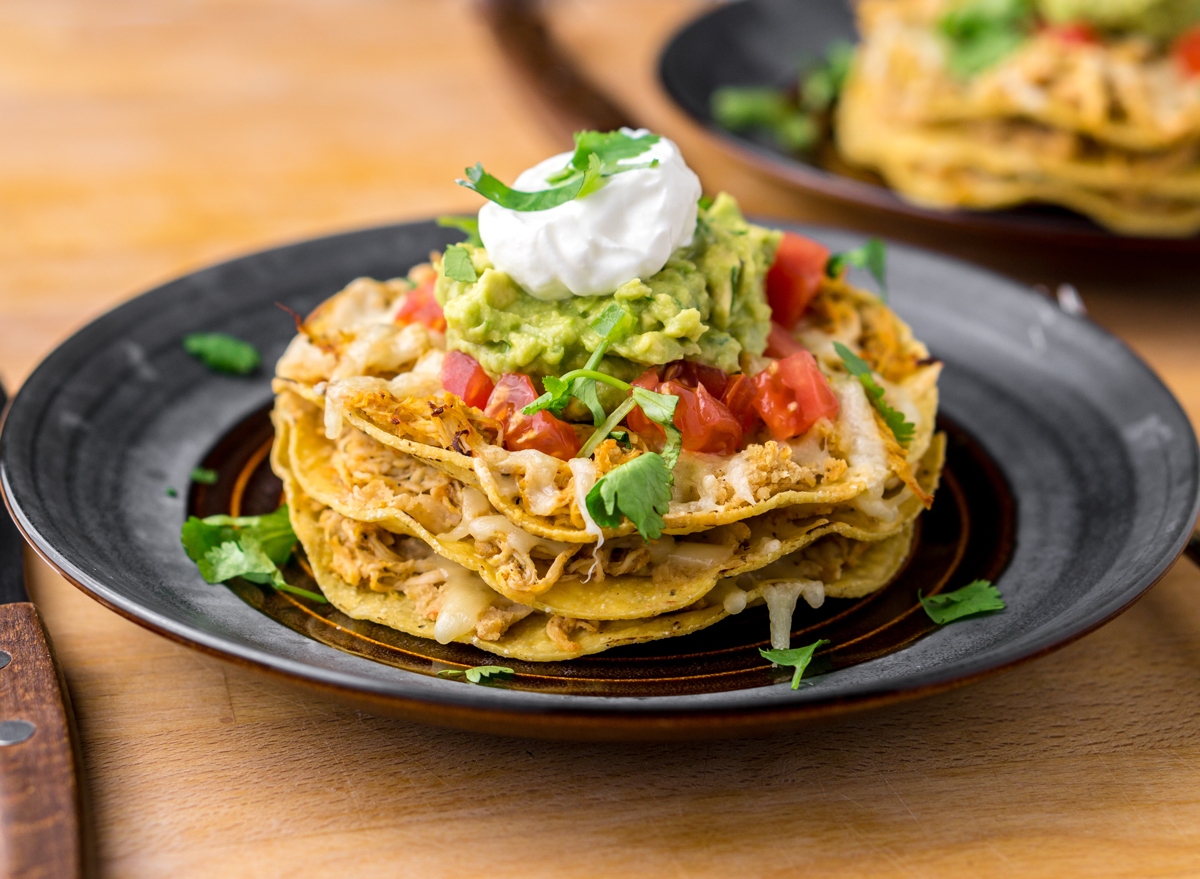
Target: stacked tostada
<point>617,413</point>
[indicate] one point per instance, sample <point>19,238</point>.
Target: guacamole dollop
<point>1155,18</point>
<point>706,304</point>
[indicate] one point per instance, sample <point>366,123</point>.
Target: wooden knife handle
<point>44,832</point>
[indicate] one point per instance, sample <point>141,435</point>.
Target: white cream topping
<point>590,246</point>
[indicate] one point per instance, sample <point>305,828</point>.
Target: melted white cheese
<point>781,605</point>
<point>590,246</point>
<point>474,505</point>
<point>584,470</point>
<point>465,597</point>
<point>540,471</point>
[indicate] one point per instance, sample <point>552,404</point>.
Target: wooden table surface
<point>144,139</point>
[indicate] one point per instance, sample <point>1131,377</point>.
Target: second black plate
<point>761,42</point>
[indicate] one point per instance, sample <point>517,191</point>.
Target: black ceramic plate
<point>760,42</point>
<point>1072,480</point>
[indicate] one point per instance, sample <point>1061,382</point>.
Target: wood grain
<point>42,834</point>
<point>145,139</point>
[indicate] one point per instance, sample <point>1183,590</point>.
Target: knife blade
<point>44,826</point>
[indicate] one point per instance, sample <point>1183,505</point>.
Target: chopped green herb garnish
<point>478,674</point>
<point>767,109</point>
<point>251,547</point>
<point>660,408</point>
<point>798,657</point>
<point>639,490</point>
<point>857,367</point>
<point>470,225</point>
<point>458,266</point>
<point>613,324</point>
<point>982,33</point>
<point>222,352</point>
<point>204,476</point>
<point>978,596</point>
<point>172,492</point>
<point>872,256</point>
<point>821,84</point>
<point>597,156</point>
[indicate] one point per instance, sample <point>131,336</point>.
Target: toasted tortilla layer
<point>396,398</point>
<point>1109,130</point>
<point>625,578</point>
<point>410,607</point>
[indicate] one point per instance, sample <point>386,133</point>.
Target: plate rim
<point>476,708</point>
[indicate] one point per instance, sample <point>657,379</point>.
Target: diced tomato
<point>462,375</point>
<point>1075,32</point>
<point>793,395</point>
<point>693,375</point>
<point>541,431</point>
<point>706,424</point>
<point>795,277</point>
<point>739,400</point>
<point>1187,51</point>
<point>420,307</point>
<point>781,343</point>
<point>636,420</point>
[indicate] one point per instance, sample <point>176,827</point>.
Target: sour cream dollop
<point>590,246</point>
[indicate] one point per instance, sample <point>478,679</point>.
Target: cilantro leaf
<point>597,155</point>
<point>613,324</point>
<point>222,352</point>
<point>741,108</point>
<point>458,265</point>
<point>204,476</point>
<point>556,397</point>
<point>981,33</point>
<point>470,225</point>
<point>493,189</point>
<point>978,596</point>
<point>477,674</point>
<point>171,492</point>
<point>639,490</point>
<point>584,390</point>
<point>251,547</point>
<point>660,408</point>
<point>798,657</point>
<point>872,256</point>
<point>901,429</point>
<point>822,83</point>
<point>609,148</point>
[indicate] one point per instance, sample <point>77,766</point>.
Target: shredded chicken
<point>379,475</point>
<point>559,629</point>
<point>367,555</point>
<point>496,620</point>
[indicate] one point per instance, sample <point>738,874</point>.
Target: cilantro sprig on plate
<point>597,156</point>
<point>798,658</point>
<point>479,674</point>
<point>872,256</point>
<point>223,353</point>
<point>978,596</point>
<point>902,429</point>
<point>250,547</point>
